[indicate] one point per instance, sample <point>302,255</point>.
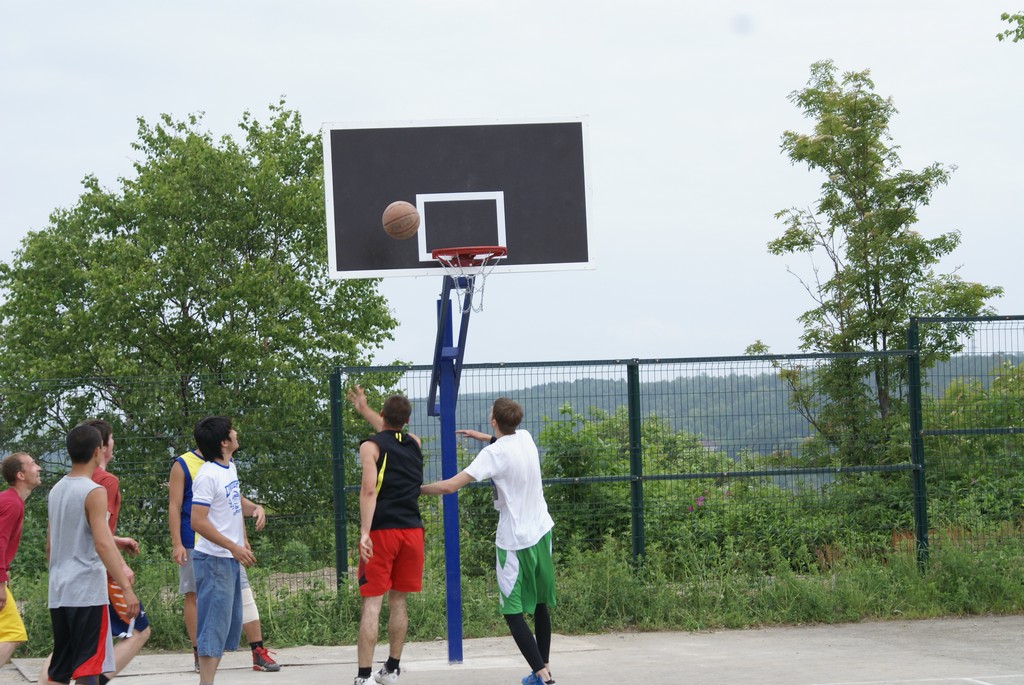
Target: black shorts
<point>81,643</point>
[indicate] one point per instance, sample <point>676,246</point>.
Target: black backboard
<point>518,185</point>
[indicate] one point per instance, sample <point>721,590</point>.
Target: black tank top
<point>399,477</point>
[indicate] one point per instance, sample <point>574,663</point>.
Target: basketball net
<point>468,267</point>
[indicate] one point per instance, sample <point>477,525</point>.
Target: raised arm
<point>357,397</point>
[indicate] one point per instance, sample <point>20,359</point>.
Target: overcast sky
<point>685,103</point>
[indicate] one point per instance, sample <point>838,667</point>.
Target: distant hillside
<point>732,413</point>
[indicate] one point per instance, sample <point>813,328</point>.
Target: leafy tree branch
<point>1016,31</point>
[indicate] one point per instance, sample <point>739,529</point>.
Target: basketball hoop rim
<point>472,255</point>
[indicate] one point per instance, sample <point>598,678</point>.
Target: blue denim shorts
<point>187,578</point>
<point>218,604</point>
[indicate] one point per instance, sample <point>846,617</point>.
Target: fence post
<point>338,473</point>
<point>917,441</point>
<point>636,466</point>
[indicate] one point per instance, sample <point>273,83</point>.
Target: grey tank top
<point>77,575</point>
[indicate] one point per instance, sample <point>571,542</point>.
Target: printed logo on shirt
<point>234,496</point>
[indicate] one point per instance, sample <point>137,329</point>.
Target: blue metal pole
<point>449,467</point>
<point>338,471</point>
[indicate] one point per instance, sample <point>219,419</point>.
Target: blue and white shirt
<point>216,487</point>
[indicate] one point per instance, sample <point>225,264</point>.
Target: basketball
<point>401,220</point>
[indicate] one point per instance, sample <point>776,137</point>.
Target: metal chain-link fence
<point>768,461</point>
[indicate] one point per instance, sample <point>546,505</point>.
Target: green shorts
<point>526,578</point>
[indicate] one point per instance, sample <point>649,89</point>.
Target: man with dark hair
<point>396,411</point>
<point>526,574</point>
<point>21,472</point>
<point>390,531</point>
<point>79,545</point>
<point>179,517</point>
<point>133,633</point>
<point>222,547</point>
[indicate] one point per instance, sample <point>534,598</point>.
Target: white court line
<point>980,680</point>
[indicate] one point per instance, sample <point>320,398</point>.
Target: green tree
<point>878,270</point>
<point>597,446</point>
<point>1016,30</point>
<point>199,285</point>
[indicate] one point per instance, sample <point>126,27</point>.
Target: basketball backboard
<point>518,185</point>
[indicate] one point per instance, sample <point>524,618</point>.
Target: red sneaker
<point>261,660</point>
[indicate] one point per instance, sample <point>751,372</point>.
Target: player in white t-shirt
<point>217,518</point>
<point>526,574</point>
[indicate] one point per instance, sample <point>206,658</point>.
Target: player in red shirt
<point>22,475</point>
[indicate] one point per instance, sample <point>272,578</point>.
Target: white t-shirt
<point>216,487</point>
<point>513,465</point>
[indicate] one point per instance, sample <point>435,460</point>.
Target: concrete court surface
<point>985,650</point>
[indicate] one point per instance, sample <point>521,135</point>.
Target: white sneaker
<point>364,681</point>
<point>386,677</point>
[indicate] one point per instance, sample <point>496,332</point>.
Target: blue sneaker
<point>534,679</point>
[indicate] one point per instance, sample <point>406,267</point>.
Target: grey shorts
<point>187,576</point>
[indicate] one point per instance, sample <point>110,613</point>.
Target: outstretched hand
<point>357,397</point>
<point>476,435</point>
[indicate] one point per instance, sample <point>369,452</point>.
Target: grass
<point>600,592</point>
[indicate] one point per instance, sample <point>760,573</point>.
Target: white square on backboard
<point>422,199</point>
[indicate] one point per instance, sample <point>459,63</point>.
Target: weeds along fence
<point>284,461</point>
<point>695,460</point>
<point>972,433</point>
<point>745,464</point>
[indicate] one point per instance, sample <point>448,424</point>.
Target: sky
<point>684,102</point>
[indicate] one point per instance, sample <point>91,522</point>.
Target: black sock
<point>254,645</point>
<point>364,672</point>
<point>391,664</point>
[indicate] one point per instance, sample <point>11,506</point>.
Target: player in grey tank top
<point>77,575</point>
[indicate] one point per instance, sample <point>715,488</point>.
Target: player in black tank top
<point>399,477</point>
<point>391,545</point>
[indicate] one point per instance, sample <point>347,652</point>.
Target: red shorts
<point>396,564</point>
